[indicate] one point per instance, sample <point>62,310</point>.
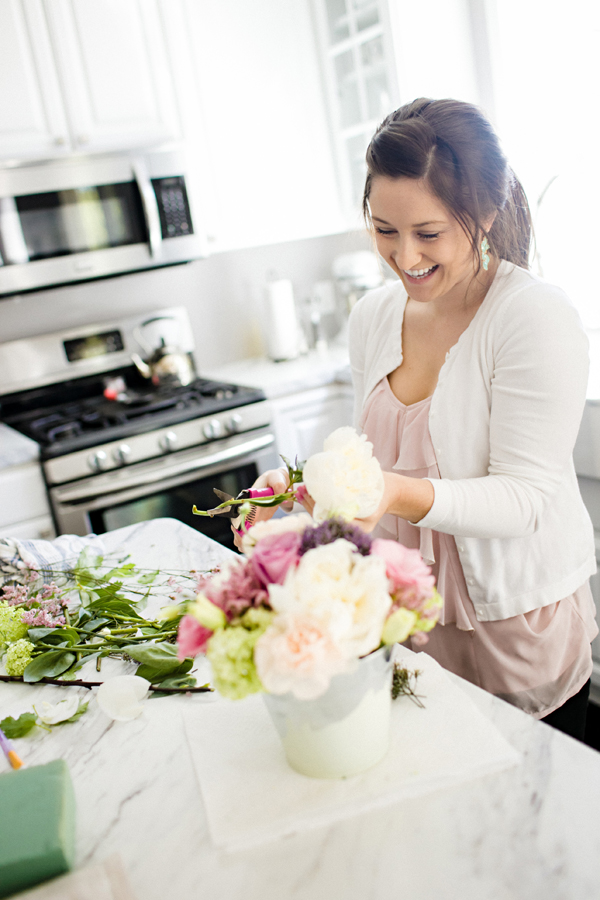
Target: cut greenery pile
<point>53,623</point>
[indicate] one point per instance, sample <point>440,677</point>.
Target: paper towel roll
<point>281,323</point>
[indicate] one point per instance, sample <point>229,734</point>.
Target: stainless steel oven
<point>168,486</point>
<point>117,449</point>
<point>90,217</point>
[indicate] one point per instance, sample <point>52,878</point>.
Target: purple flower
<point>332,530</point>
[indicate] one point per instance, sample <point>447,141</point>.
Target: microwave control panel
<point>173,206</point>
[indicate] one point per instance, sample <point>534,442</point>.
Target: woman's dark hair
<point>453,147</point>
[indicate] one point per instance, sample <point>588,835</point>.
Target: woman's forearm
<point>408,498</point>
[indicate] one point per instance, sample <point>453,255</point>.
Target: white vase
<point>347,729</point>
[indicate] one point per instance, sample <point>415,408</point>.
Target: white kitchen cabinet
<point>83,76</point>
<point>33,121</point>
<point>303,420</point>
<point>24,509</point>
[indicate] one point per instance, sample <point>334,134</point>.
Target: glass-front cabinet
<point>361,78</point>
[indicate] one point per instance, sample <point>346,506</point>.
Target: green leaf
<point>114,607</point>
<point>54,635</point>
<point>17,728</point>
<point>162,657</point>
<point>148,578</point>
<point>94,624</point>
<point>178,681</point>
<point>89,559</point>
<point>156,675</point>
<point>48,665</point>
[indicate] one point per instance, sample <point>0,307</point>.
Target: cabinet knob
<point>83,139</point>
<point>168,441</point>
<point>60,140</point>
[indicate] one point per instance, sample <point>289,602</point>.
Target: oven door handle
<point>87,491</point>
<point>149,205</point>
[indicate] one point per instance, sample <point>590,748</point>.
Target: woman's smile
<point>422,241</point>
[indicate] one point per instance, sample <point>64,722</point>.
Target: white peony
<point>344,480</point>
<point>347,591</point>
<point>296,522</point>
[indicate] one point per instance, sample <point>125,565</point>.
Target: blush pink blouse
<point>535,661</point>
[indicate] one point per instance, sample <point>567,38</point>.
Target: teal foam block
<point>37,825</point>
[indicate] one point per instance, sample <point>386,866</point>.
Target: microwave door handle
<point>11,233</point>
<point>149,205</point>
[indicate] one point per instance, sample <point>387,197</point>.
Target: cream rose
<point>346,590</point>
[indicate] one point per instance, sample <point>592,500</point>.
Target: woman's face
<point>420,239</point>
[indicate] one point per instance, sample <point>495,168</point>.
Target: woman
<point>470,377</point>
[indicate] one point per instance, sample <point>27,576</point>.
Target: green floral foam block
<point>37,825</point>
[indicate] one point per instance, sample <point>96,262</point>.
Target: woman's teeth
<point>419,273</point>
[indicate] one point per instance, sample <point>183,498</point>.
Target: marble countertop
<point>530,832</point>
<point>15,448</point>
<point>277,379</point>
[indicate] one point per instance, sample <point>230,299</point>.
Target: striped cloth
<point>45,556</point>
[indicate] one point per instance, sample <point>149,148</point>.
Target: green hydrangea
<point>18,656</point>
<point>11,627</point>
<point>231,654</point>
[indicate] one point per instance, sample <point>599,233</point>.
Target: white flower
<point>347,591</point>
<point>296,653</point>
<point>344,480</point>
<point>297,522</point>
<point>53,713</point>
<point>120,697</point>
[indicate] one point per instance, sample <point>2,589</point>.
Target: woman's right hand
<point>278,480</point>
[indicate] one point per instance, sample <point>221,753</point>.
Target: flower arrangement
<point>311,595</point>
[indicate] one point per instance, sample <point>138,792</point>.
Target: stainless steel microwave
<point>90,217</point>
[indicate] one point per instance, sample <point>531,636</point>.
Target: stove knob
<point>234,423</point>
<point>168,441</point>
<point>121,454</point>
<point>213,429</point>
<point>97,461</point>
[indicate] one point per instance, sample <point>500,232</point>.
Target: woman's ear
<point>487,223</point>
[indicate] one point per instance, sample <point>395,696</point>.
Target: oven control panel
<point>158,443</point>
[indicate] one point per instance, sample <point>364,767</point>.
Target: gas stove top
<point>73,416</point>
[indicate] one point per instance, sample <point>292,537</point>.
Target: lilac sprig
<point>333,530</point>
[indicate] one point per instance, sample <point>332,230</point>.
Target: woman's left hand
<point>407,498</point>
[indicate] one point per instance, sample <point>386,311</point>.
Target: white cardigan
<point>503,420</point>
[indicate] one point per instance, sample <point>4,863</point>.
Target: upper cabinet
<point>84,76</point>
<point>270,173</point>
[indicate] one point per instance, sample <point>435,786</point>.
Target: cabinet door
<point>32,119</point>
<point>114,72</point>
<point>303,421</point>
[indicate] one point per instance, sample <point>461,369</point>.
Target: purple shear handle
<point>9,751</point>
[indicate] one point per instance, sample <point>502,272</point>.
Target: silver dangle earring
<point>485,257</point>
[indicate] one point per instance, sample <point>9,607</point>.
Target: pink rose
<point>192,638</point>
<point>411,580</point>
<point>273,556</point>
